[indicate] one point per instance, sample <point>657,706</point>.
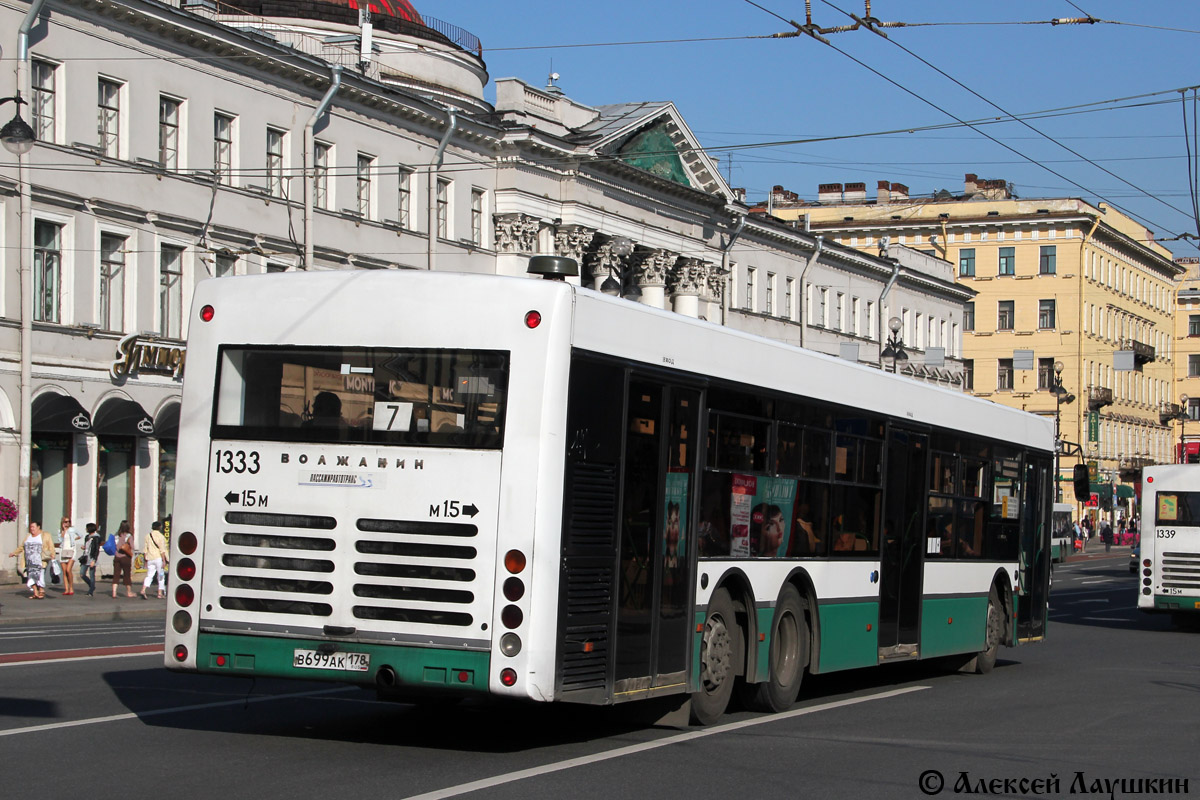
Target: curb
<point>113,615</point>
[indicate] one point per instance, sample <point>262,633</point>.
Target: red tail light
<point>184,595</point>
<point>187,543</point>
<point>180,653</point>
<point>207,313</point>
<point>508,677</point>
<point>185,570</point>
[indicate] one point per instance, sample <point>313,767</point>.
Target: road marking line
<point>157,712</point>
<point>520,775</point>
<point>73,660</point>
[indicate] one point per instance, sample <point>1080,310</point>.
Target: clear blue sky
<point>745,91</point>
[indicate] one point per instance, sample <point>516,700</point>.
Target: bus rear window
<point>440,398</point>
<point>1177,508</point>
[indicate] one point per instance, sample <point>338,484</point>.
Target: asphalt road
<point>1111,695</point>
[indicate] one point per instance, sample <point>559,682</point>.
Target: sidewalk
<point>17,609</point>
<point>1094,549</point>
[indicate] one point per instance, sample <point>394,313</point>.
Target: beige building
<point>1187,378</point>
<point>1059,281</point>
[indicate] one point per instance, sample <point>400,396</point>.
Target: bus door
<point>902,550</point>
<point>655,578</point>
<point>1034,554</point>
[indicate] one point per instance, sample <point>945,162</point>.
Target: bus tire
<point>985,660</point>
<point>788,656</point>
<point>718,647</point>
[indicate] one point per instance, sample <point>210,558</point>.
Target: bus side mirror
<point>1083,483</point>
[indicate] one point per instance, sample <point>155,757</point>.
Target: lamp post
<point>894,346</point>
<point>1061,395</point>
<point>1183,416</point>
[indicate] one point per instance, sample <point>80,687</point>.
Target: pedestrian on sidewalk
<point>123,560</point>
<point>89,556</point>
<point>66,554</point>
<point>1106,536</point>
<point>31,549</point>
<point>156,560</point>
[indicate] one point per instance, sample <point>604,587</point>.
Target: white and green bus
<point>1169,556</point>
<point>443,484</point>
<point>1062,536</point>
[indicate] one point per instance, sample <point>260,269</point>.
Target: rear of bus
<point>358,460</point>
<point>1169,561</point>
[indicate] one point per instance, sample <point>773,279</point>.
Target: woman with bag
<point>49,557</point>
<point>66,554</point>
<point>156,560</point>
<point>89,556</point>
<point>123,560</point>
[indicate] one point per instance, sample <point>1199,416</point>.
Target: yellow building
<point>1059,281</point>
<point>1187,380</point>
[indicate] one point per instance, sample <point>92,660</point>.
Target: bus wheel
<point>788,657</point>
<point>717,649</point>
<point>985,660</point>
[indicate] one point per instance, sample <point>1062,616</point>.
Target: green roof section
<point>653,151</point>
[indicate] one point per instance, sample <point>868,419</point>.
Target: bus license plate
<point>347,662</point>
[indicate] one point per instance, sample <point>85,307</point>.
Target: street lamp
<point>1183,416</point>
<point>894,347</point>
<point>16,136</point>
<point>1061,395</point>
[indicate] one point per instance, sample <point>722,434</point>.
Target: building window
<point>321,175</point>
<point>966,262</point>
<point>275,266</point>
<point>969,374</point>
<point>1004,315</point>
<point>1045,314</point>
<point>443,209</point>
<point>1004,375</point>
<point>789,288</point>
<point>109,123</point>
<point>275,162</point>
<point>223,148</point>
<point>1193,408</point>
<point>1046,259</point>
<point>477,217</point>
<point>363,170</point>
<point>404,200</point>
<point>749,289</point>
<point>1193,366</point>
<point>770,307</point>
<point>43,105</point>
<point>226,265</point>
<point>47,270</point>
<point>969,316</point>
<point>1008,261</point>
<point>112,282</point>
<point>1045,368</point>
<point>1193,324</point>
<point>170,292</point>
<point>823,307</point>
<point>168,132</point>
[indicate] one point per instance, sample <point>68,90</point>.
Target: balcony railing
<point>1099,397</point>
<point>1170,412</point>
<point>1142,353</point>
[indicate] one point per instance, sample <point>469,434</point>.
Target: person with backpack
<point>123,560</point>
<point>156,560</point>
<point>89,556</point>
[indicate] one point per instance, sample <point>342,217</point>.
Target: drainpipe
<point>733,237</point>
<point>1079,330</point>
<point>435,167</point>
<point>24,244</point>
<point>887,287</point>
<point>803,298</point>
<point>310,171</point>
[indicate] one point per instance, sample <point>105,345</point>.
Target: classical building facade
<point>186,140</point>
<point>1059,281</point>
<point>1186,413</point>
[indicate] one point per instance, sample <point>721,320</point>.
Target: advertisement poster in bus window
<point>1168,508</point>
<point>675,518</point>
<point>761,513</point>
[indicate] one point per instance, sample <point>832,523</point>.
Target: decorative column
<point>516,234</point>
<point>650,271</point>
<point>608,260</point>
<point>686,281</point>
<point>712,290</point>
<point>572,241</point>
